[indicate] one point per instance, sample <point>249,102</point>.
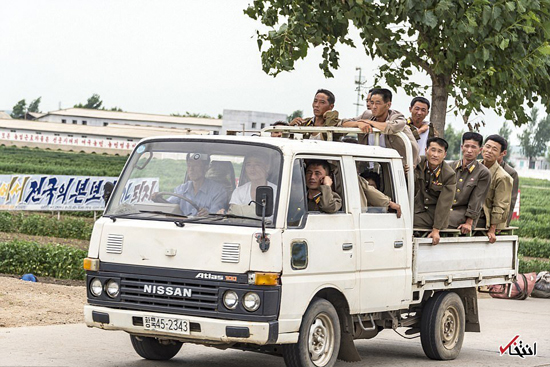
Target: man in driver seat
<point>209,196</point>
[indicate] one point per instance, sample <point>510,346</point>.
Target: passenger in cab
<point>389,121</point>
<point>256,169</point>
<point>323,114</point>
<point>320,196</point>
<point>497,202</point>
<point>420,128</point>
<point>473,180</point>
<point>209,196</point>
<point>434,185</point>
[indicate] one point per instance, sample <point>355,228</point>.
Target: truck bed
<point>460,262</point>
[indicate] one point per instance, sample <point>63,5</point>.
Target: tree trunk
<point>440,95</point>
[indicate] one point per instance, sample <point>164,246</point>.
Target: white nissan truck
<point>268,274</point>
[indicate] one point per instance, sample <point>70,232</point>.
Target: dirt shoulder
<point>47,302</point>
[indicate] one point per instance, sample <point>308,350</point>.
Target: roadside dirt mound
<point>28,304</point>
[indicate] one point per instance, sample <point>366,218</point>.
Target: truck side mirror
<point>107,190</point>
<point>264,199</point>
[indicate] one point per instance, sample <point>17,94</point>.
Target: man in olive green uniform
<point>390,122</point>
<point>434,185</point>
<point>497,203</point>
<point>323,115</point>
<point>515,187</point>
<point>320,196</point>
<point>473,180</point>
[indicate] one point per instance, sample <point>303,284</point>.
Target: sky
<point>166,57</point>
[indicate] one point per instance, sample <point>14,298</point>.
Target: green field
<point>36,161</point>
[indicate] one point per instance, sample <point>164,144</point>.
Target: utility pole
<point>359,82</point>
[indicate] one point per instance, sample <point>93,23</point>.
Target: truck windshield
<point>201,181</point>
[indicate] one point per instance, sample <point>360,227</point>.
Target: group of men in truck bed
<point>464,194</point>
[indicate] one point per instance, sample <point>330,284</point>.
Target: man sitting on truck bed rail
<point>390,122</point>
<point>473,180</point>
<point>323,115</point>
<point>434,186</point>
<point>320,196</point>
<point>497,202</point>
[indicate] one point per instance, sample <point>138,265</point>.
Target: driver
<point>209,196</point>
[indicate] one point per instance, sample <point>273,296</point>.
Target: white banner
<point>52,192</point>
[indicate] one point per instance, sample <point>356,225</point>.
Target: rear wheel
<point>155,349</point>
<point>319,340</point>
<point>442,326</point>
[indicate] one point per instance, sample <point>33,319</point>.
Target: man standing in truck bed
<point>473,180</point>
<point>434,186</point>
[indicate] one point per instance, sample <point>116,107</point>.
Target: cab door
<point>319,248</point>
<point>385,253</point>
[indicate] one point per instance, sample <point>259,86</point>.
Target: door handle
<point>398,244</point>
<point>347,246</point>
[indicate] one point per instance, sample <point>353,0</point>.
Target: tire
<point>153,349</point>
<point>442,326</point>
<point>319,341</point>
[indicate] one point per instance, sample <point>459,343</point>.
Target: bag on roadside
<point>520,289</point>
<point>542,285</point>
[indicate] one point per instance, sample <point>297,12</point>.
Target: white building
<point>92,117</point>
<point>112,139</point>
<point>249,122</point>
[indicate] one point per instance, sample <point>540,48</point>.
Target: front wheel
<point>442,326</point>
<point>319,340</point>
<point>155,349</point>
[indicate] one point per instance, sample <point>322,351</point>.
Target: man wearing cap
<point>420,128</point>
<point>434,186</point>
<point>473,180</point>
<point>208,195</point>
<point>389,122</point>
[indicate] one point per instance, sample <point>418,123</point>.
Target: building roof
<point>112,130</point>
<point>4,115</point>
<point>134,116</point>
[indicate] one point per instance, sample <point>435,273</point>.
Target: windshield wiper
<point>114,217</point>
<point>233,216</point>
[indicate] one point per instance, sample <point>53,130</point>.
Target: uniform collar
<point>436,172</point>
<point>470,167</point>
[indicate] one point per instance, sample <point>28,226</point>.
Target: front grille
<point>204,297</point>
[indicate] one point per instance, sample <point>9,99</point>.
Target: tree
<point>19,110</point>
<point>506,132</point>
<point>485,54</point>
<point>535,137</point>
<point>34,106</point>
<point>193,114</point>
<point>454,138</point>
<point>94,102</point>
<point>293,115</point>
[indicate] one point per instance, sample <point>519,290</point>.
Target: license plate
<point>171,325</point>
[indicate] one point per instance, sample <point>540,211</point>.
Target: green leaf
<point>504,43</point>
<point>430,19</point>
<point>544,49</point>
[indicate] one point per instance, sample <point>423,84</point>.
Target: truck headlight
<point>96,288</point>
<point>251,301</point>
<point>112,288</point>
<point>230,300</point>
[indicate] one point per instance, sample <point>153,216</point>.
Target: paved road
<point>77,345</point>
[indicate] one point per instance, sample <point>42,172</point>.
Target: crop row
<point>45,225</point>
<point>58,261</point>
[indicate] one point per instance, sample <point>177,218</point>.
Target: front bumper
<point>203,330</point>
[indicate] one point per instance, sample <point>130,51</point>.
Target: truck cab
<point>288,280</point>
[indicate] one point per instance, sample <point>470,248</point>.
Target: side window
<point>297,202</point>
<point>375,185</point>
<point>300,203</point>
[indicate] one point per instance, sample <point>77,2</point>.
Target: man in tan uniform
<point>473,180</point>
<point>371,197</point>
<point>390,122</point>
<point>515,187</point>
<point>320,196</point>
<point>420,128</point>
<point>497,202</point>
<point>434,186</point>
<point>323,115</point>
